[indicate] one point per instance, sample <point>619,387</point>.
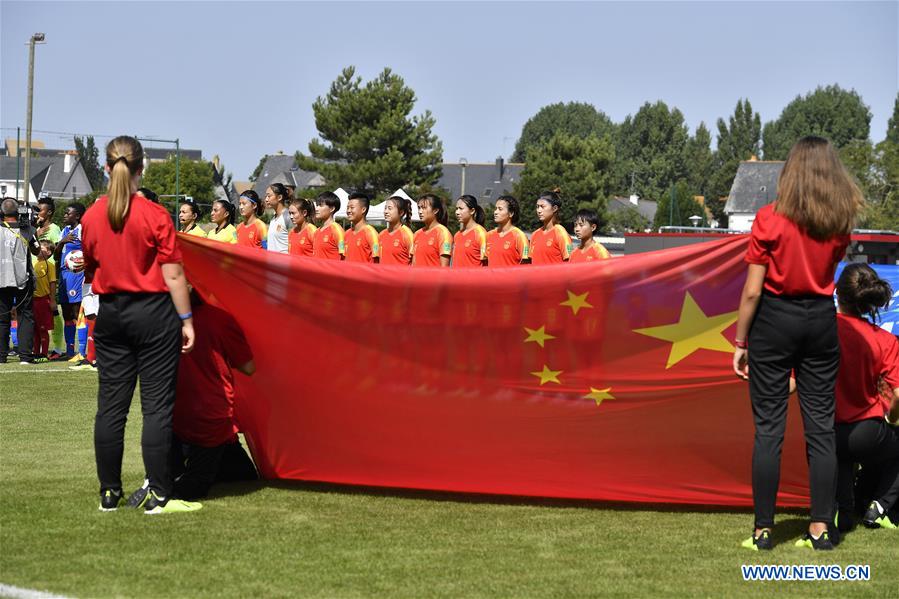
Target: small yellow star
<point>538,336</point>
<point>547,375</point>
<point>576,302</point>
<point>692,332</point>
<point>598,395</point>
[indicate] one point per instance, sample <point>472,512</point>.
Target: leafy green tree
<point>700,160</point>
<point>829,112</point>
<point>574,118</point>
<point>580,167</point>
<point>679,213</point>
<point>883,190</point>
<point>89,156</point>
<point>651,150</point>
<point>195,179</point>
<point>893,124</point>
<point>258,170</point>
<point>628,220</point>
<point>738,139</point>
<point>368,139</point>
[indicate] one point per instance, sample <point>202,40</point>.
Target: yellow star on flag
<point>547,375</point>
<point>694,331</point>
<point>576,302</point>
<point>538,336</point>
<point>599,395</point>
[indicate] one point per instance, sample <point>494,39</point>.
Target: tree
<point>829,112</point>
<point>368,140</point>
<point>581,168</point>
<point>883,189</point>
<point>738,140</point>
<point>574,118</point>
<point>683,208</point>
<point>893,124</point>
<point>700,160</point>
<point>195,179</point>
<point>652,150</point>
<point>628,220</point>
<point>89,156</point>
<point>258,170</point>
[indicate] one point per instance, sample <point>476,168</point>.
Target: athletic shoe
<point>822,543</point>
<point>83,365</point>
<point>26,362</point>
<point>41,360</point>
<point>76,358</point>
<point>757,543</point>
<point>110,500</point>
<point>161,505</point>
<point>139,497</point>
<point>875,517</point>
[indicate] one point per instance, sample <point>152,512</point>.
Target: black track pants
<point>875,445</point>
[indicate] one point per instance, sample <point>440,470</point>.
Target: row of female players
<point>292,231</point>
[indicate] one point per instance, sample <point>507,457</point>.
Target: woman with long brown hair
<point>787,322</point>
<point>143,326</point>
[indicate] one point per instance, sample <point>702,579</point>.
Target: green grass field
<point>272,539</point>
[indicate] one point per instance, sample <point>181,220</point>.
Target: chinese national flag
<point>607,381</point>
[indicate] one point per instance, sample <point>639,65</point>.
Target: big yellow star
<point>694,331</point>
<point>547,375</point>
<point>599,395</point>
<point>538,336</point>
<point>576,302</point>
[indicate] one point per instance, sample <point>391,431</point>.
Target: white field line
<point>24,369</point>
<point>20,593</point>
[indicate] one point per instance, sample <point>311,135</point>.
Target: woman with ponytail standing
<point>222,216</point>
<point>300,237</point>
<point>470,241</point>
<point>143,326</point>
<point>868,355</point>
<point>188,214</point>
<point>432,245</point>
<point>550,244</point>
<point>277,197</point>
<point>252,232</point>
<point>507,245</point>
<point>396,239</point>
<point>787,322</point>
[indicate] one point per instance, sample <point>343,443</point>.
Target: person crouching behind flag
<point>432,245</point>
<point>205,446</point>
<point>144,324</point>
<point>787,320</point>
<point>868,355</point>
<point>585,223</point>
<point>550,244</point>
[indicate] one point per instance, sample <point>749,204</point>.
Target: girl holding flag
<point>787,322</point>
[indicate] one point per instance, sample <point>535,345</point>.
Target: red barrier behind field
<point>607,381</point>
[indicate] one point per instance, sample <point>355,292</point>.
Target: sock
<point>90,355</point>
<point>82,339</point>
<point>69,331</point>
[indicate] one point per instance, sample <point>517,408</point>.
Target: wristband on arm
<point>186,316</point>
<point>741,343</point>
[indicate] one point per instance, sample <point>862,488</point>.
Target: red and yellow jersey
<point>396,247</point>
<point>597,251</point>
<point>470,247</point>
<point>507,249</point>
<point>327,242</point>
<point>550,247</point>
<point>362,245</point>
<point>428,245</point>
<point>300,244</point>
<point>252,235</point>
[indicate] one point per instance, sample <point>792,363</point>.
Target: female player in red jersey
<point>299,239</point>
<point>252,232</point>
<point>507,245</point>
<point>869,357</point>
<point>396,239</point>
<point>432,245</point>
<point>588,250</point>
<point>470,241</point>
<point>787,322</point>
<point>328,241</point>
<point>144,325</point>
<point>550,244</point>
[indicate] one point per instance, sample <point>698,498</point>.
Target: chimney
<point>753,158</point>
<point>635,199</point>
<point>68,162</point>
<point>499,169</point>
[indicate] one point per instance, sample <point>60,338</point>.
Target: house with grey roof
<point>646,208</point>
<point>61,177</point>
<point>755,186</point>
<point>281,168</point>
<point>485,181</point>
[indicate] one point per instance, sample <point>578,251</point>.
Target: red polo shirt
<point>797,264</point>
<point>867,353</point>
<point>128,261</point>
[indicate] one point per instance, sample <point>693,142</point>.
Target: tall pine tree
<point>738,139</point>
<point>89,156</point>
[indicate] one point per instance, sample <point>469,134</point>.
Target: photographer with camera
<point>17,244</point>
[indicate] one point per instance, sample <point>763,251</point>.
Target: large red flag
<point>607,380</point>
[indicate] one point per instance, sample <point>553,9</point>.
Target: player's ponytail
<point>471,203</point>
<point>281,192</point>
<point>404,207</point>
<point>253,197</point>
<point>227,207</point>
<point>438,205</point>
<point>125,159</point>
<point>860,292</point>
<point>554,198</point>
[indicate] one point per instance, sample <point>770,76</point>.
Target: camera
<point>27,216</point>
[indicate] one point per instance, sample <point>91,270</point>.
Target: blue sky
<point>238,79</point>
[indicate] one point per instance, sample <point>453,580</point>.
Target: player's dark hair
<point>149,194</point>
<point>554,198</point>
<point>471,203</point>
<point>404,207</point>
<point>437,204</point>
<point>253,198</point>
<point>281,191</point>
<point>358,195</point>
<point>860,292</point>
<point>304,205</point>
<point>48,201</point>
<point>588,216</point>
<point>78,208</point>
<point>229,208</point>
<point>329,199</point>
<point>193,208</point>
<point>513,206</point>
